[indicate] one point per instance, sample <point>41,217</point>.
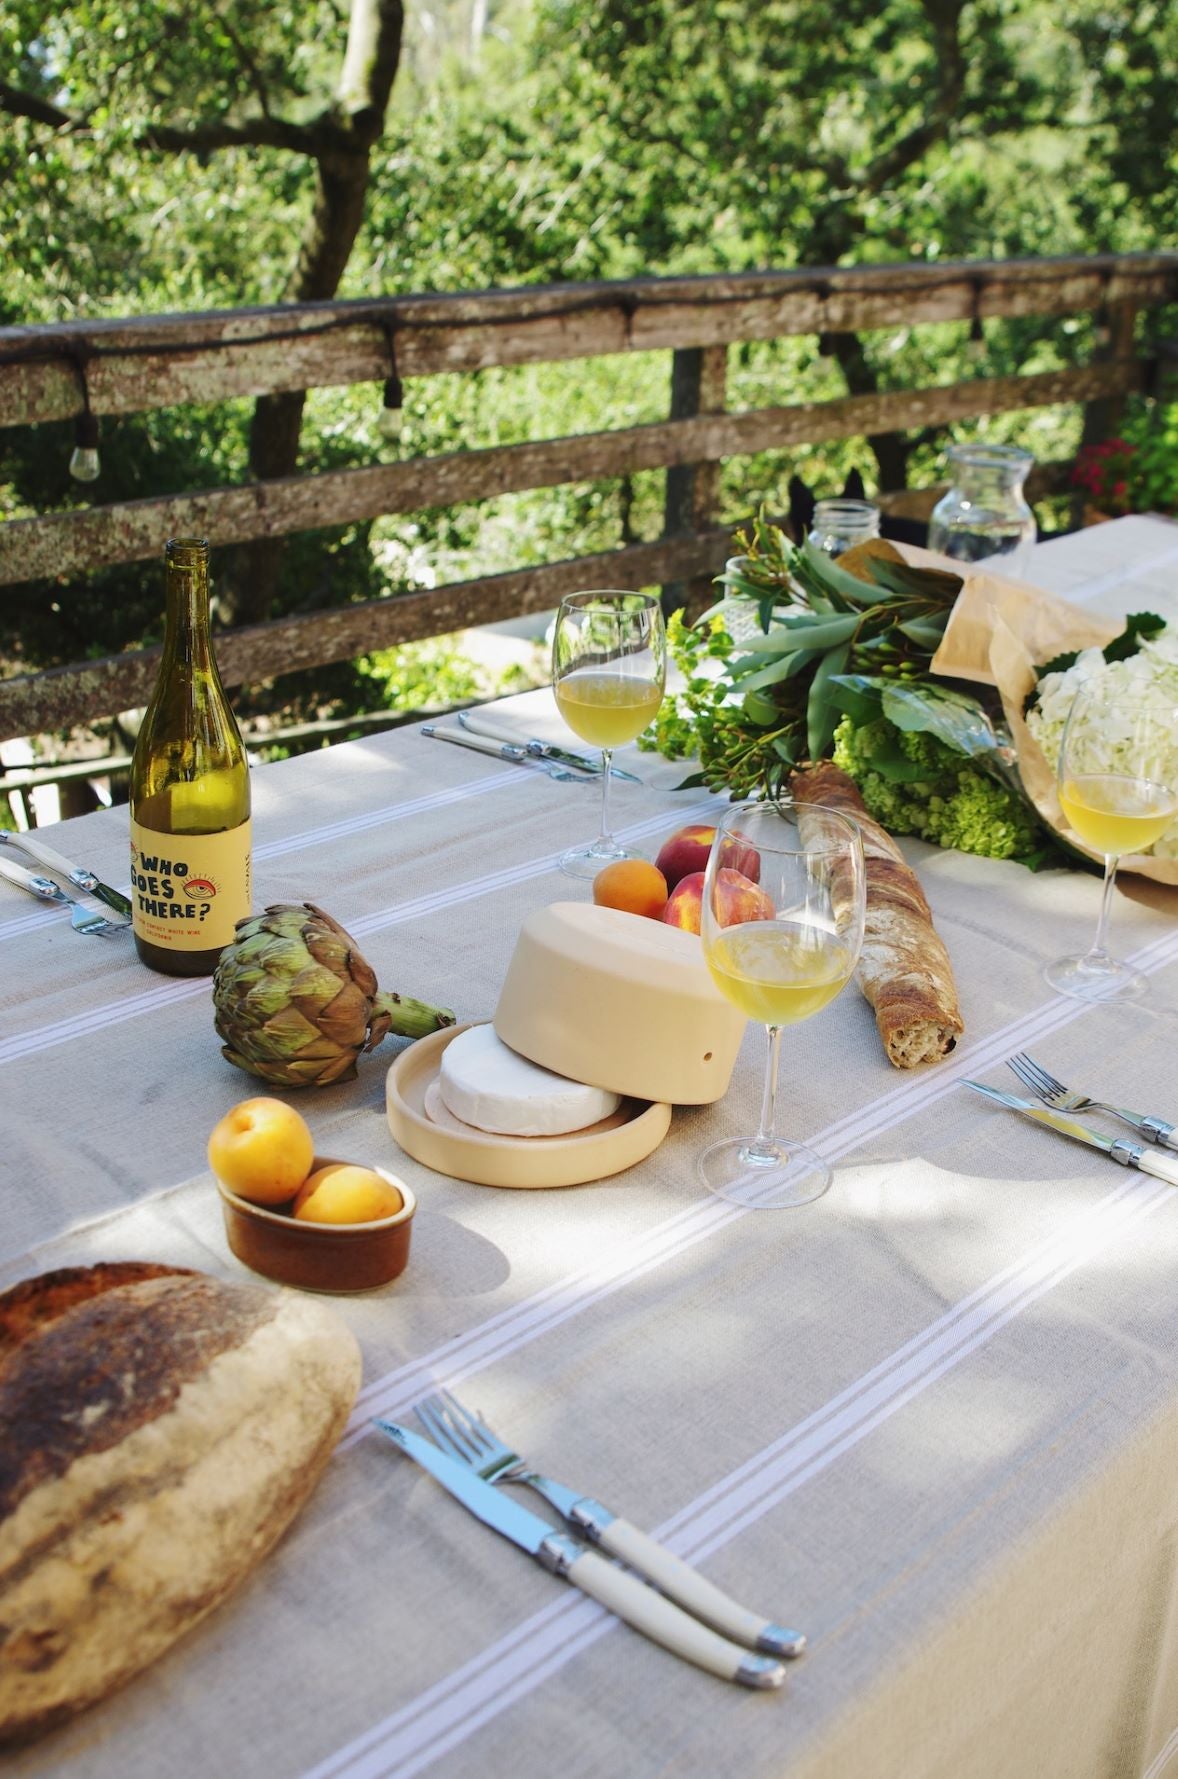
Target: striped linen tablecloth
<point>932,1419</point>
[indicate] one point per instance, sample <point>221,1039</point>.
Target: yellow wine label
<point>188,891</point>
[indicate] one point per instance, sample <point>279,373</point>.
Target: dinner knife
<point>78,875</point>
<point>542,750</point>
<point>622,1593</point>
<point>1129,1154</point>
<point>515,752</point>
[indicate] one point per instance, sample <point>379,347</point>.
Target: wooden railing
<point>122,367</point>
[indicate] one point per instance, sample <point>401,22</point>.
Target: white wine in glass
<point>609,668</point>
<point>1119,794</point>
<point>780,948</point>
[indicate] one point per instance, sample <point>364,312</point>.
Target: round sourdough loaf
<point>159,1430</point>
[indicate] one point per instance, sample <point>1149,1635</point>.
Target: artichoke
<point>296,1003</point>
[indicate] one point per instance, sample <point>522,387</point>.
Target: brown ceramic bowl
<point>320,1256</point>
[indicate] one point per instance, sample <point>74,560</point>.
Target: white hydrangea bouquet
<point>1152,667</point>
<point>1037,650</point>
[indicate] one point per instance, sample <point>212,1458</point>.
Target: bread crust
<point>904,970</point>
<point>159,1430</point>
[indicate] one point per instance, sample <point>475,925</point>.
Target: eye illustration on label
<point>200,886</point>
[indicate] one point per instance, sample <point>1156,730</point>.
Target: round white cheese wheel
<point>487,1085</point>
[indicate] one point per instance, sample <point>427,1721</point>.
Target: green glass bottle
<point>190,791</point>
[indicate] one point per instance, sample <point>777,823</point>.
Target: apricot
<point>262,1150</point>
<point>340,1192</point>
<point>686,852</point>
<point>633,885</point>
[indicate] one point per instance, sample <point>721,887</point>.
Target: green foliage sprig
<point>776,703</point>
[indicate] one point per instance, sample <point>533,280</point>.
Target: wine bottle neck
<point>186,619</point>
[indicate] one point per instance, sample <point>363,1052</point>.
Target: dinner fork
<point>82,918</point>
<point>466,1436</point>
<point>1053,1093</point>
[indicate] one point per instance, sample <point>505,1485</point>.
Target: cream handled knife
<point>1128,1153</point>
<point>622,1593</point>
<point>76,874</point>
<point>476,724</point>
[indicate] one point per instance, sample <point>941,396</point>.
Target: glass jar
<point>839,525</point>
<point>984,512</point>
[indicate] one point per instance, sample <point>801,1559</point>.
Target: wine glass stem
<point>607,754</point>
<point>1099,952</point>
<point>764,1146</point>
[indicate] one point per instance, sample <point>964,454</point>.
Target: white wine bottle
<point>190,791</point>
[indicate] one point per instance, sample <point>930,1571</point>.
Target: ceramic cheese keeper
<point>620,1002</point>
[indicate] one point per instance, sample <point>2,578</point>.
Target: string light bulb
<point>388,422</point>
<point>84,464</point>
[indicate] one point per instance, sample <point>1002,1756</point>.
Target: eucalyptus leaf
<point>857,696</point>
<point>952,717</point>
<point>758,708</point>
<point>815,632</point>
<point>914,582</point>
<point>822,713</point>
<point>780,670</point>
<point>927,632</point>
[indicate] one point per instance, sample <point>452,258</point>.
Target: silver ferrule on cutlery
<point>500,750</point>
<point>620,1592</point>
<point>1119,1149</point>
<point>78,875</point>
<point>86,915</point>
<point>477,724</point>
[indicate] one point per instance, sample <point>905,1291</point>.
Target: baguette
<point>159,1430</point>
<point>904,969</point>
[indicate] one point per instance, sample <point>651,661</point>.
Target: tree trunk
<point>341,143</point>
<point>890,448</point>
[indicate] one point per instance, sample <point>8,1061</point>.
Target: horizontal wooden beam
<point>72,543</point>
<point>63,697</point>
<point>164,361</point>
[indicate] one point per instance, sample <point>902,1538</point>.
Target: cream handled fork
<point>467,1437</point>
<point>611,1586</point>
<point>84,918</point>
<point>1053,1093</point>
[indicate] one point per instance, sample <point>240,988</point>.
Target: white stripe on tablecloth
<point>331,831</point>
<point>149,1000</point>
<point>517,1326</point>
<point>1162,1758</point>
<point>448,1713</point>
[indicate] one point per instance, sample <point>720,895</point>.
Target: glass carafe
<point>984,512</point>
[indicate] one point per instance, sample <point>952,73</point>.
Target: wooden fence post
<point>1102,417</point>
<point>698,386</point>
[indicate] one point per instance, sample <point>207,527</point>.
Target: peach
<point>686,852</point>
<point>340,1192</point>
<point>685,903</point>
<point>262,1150</point>
<point>737,900</point>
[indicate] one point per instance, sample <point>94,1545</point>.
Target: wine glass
<point>784,900</point>
<point>1118,790</point>
<point>609,667</point>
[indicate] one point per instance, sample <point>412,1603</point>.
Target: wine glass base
<point>587,861</point>
<point>787,1176</point>
<point>1085,980</point>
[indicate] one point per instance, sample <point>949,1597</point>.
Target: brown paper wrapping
<point>998,632</point>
